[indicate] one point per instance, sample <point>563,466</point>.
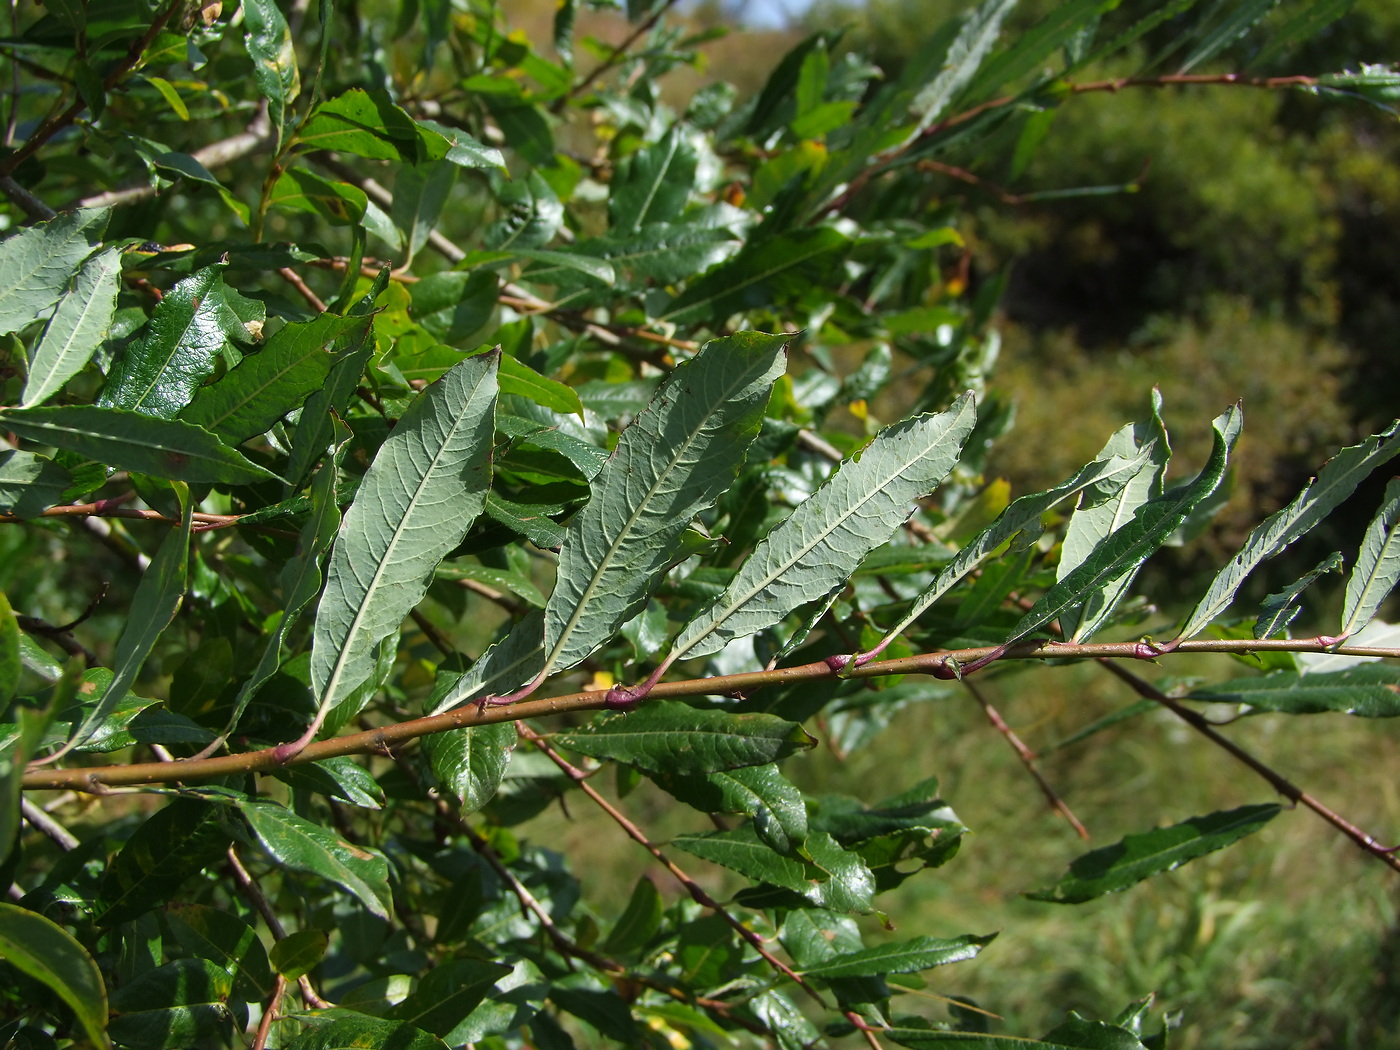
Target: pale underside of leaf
<point>77,327</point>
<point>1377,564</point>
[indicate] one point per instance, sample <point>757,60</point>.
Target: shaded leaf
<point>269,43</point>
<point>365,123</point>
<point>225,939</point>
<point>1137,857</point>
<point>822,542</point>
<point>172,845</point>
<point>469,763</point>
<point>762,792</point>
<point>339,203</point>
<point>975,39</point>
<point>359,1032</point>
<point>38,947</point>
<point>1377,564</point>
<point>30,484</point>
<point>448,993</point>
<point>339,777</point>
<point>1278,610</point>
<point>672,737</point>
<point>298,953</point>
<point>179,1004</point>
<point>37,263</point>
<point>639,921</point>
<point>1370,690</point>
<point>653,184</point>
<point>77,328</point>
<point>503,667</point>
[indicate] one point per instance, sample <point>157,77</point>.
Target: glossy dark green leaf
<point>1377,564</point>
<point>817,547</point>
<point>358,1032</point>
<point>653,184</point>
<point>519,378</point>
<point>419,196</point>
<point>163,448</point>
<point>340,777</point>
<point>76,329</point>
<point>673,462</point>
<point>225,939</point>
<point>424,489</point>
<point>761,274</point>
<point>158,374</point>
<point>762,792</point>
<point>665,252</point>
<point>671,737</point>
<point>37,263</point>
<point>180,1004</point>
<point>502,668</point>
<point>38,947</point>
<point>10,663</point>
<point>1368,691</point>
<point>469,763</point>
<point>172,845</point>
<point>298,953</point>
<point>440,142</point>
<point>1150,527</point>
<point>29,483</point>
<point>531,520</point>
<point>830,878</point>
<point>605,1011</point>
<point>639,921</point>
<point>790,1026</point>
<point>1137,857</point>
<point>269,43</point>
<point>270,383</point>
<point>365,123</point>
<point>339,203</point>
<point>516,1000</point>
<point>1074,1034</point>
<point>296,843</point>
<point>448,993</point>
<point>911,956</point>
<point>1336,481</point>
<point>589,459</point>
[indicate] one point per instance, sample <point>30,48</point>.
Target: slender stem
<point>279,986</point>
<point>617,55</point>
<point>250,889</point>
<point>386,738</point>
<point>41,821</point>
<point>1277,780</point>
<point>1027,757</point>
<point>303,289</point>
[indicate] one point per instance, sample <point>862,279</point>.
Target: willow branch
<point>618,53</point>
<point>385,739</point>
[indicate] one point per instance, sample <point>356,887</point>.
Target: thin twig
<point>279,986</point>
<point>41,821</point>
<point>250,889</point>
<point>1027,757</point>
<point>618,54</point>
<point>1277,780</point>
<point>294,279</point>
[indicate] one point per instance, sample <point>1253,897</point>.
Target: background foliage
<point>344,340</point>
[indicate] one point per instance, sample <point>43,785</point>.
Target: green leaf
<point>764,272</point>
<point>507,580</point>
<point>1030,49</point>
<point>531,520</point>
<point>516,1000</point>
<point>912,956</point>
<point>358,1032</point>
<point>1377,564</point>
<point>1239,19</point>
<point>225,939</point>
<point>180,1004</point>
<point>339,203</point>
<point>503,667</point>
<point>653,184</point>
<point>171,846</point>
<point>675,460</point>
<point>77,327</point>
<point>977,36</point>
<point>557,264</point>
<point>441,142</point>
<point>365,123</point>
<point>158,375</point>
<point>1127,548</point>
<point>1137,857</point>
<point>589,459</point>
<point>1304,25</point>
<point>1336,481</point>
<point>419,196</point>
<point>1368,691</point>
<point>163,448</point>
<point>448,993</point>
<point>158,598</point>
<point>426,486</point>
<point>830,878</point>
<point>269,43</point>
<point>1104,509</point>
<point>30,484</point>
<point>267,385</point>
<point>639,921</point>
<point>665,252</point>
<point>1278,610</point>
<point>822,542</point>
<point>762,792</point>
<point>296,843</point>
<point>470,763</point>
<point>519,378</point>
<point>671,737</point>
<point>10,664</point>
<point>298,953</point>
<point>1074,1034</point>
<point>48,953</point>
<point>37,263</point>
<point>339,777</point>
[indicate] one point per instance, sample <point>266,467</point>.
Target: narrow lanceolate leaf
<point>672,737</point>
<point>503,668</point>
<point>1074,1034</point>
<point>419,194</point>
<point>424,489</point>
<point>269,42</point>
<point>78,325</point>
<point>1336,481</point>
<point>1033,47</point>
<point>652,185</point>
<point>921,953</point>
<point>163,448</point>
<point>469,763</point>
<point>979,33</point>
<point>158,374</point>
<point>1022,514</point>
<point>172,845</point>
<point>821,543</point>
<point>1103,510</point>
<point>1239,19</point>
<point>1134,542</point>
<point>29,483</point>
<point>45,951</point>
<point>1278,610</point>
<point>1138,857</point>
<point>301,576</point>
<point>1377,564</point>
<point>157,600</point>
<point>37,263</point>
<point>267,385</point>
<point>675,460</point>
<point>301,845</point>
<point>762,792</point>
<point>829,876</point>
<point>1371,690</point>
<point>358,1031</point>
